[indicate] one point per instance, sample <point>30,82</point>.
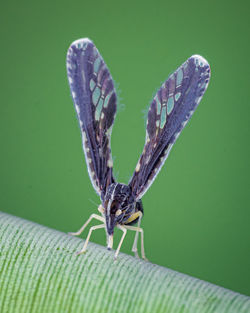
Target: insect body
<point>94,96</point>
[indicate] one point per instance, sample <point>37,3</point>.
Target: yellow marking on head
<point>118,212</point>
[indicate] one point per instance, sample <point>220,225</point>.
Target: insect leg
<point>97,217</point>
<point>121,241</point>
<point>89,234</point>
<point>134,248</point>
<point>138,229</point>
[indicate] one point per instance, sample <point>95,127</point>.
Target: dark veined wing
<point>170,110</point>
<point>94,96</point>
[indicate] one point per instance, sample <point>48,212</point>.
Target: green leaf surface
<point>40,272</point>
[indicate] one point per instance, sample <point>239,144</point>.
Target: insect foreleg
<point>95,216</point>
<point>88,237</point>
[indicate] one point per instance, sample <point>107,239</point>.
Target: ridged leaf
<point>40,273</point>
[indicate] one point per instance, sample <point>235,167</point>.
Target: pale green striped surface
<point>39,272</point>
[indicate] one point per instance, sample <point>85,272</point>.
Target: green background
<point>197,211</point>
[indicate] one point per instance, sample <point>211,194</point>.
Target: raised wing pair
<point>95,100</point>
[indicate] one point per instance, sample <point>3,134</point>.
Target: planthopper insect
<point>94,96</point>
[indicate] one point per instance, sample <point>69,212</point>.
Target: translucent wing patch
<point>94,96</point>
<point>170,110</point>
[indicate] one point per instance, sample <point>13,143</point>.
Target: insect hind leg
<point>138,229</point>
<point>134,247</point>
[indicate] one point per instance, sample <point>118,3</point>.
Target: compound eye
<point>118,212</point>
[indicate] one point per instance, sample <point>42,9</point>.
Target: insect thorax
<point>119,205</point>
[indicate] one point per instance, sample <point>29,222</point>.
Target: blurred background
<point>197,211</point>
